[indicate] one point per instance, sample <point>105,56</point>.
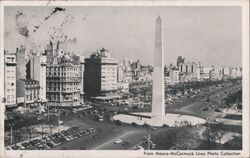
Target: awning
<point>107,97</point>
<point>30,101</point>
<point>11,105</point>
<point>20,109</point>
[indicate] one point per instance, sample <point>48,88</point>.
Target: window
<point>12,84</point>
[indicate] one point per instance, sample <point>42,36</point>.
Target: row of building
<point>56,77</point>
<point>194,71</point>
<point>59,78</point>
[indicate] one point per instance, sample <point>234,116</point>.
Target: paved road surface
<point>134,135</point>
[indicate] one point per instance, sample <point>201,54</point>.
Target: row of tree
<point>233,98</point>
<point>187,86</point>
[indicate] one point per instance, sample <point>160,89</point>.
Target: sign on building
<point>20,100</point>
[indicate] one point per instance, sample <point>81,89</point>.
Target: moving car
<point>118,141</point>
<point>125,143</point>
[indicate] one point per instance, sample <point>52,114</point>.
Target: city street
<point>197,104</point>
<point>133,135</point>
<point>119,78</point>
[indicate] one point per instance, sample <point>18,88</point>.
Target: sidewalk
<point>46,128</point>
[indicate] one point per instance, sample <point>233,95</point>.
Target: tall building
<point>198,71</point>
<point>206,73</point>
<point>238,72</point>
<point>215,74</point>
<point>180,60</point>
<point>136,69</point>
<point>82,77</point>
<point>10,79</point>
<point>63,81</point>
<point>172,76</point>
<point>120,73</point>
<point>146,73</point>
<point>158,98</point>
<point>225,72</point>
<point>79,60</point>
<point>233,72</point>
<point>100,74</point>
<point>189,71</point>
<point>21,63</point>
<point>188,67</point>
<point>38,72</point>
<point>49,50</point>
<point>127,64</point>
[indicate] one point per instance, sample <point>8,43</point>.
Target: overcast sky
<point>211,35</point>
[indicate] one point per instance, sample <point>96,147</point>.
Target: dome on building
<point>67,58</point>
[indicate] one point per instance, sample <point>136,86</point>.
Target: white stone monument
<point>158,117</point>
<point>158,98</point>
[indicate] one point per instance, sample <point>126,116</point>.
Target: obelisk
<point>158,93</point>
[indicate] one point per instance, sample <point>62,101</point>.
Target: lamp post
<point>148,139</point>
<point>11,134</point>
<point>42,127</point>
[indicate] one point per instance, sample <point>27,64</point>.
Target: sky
<point>211,35</point>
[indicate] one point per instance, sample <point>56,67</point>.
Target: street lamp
<point>150,143</point>
<point>11,134</point>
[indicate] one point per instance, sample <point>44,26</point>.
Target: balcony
<point>43,64</point>
<point>10,63</point>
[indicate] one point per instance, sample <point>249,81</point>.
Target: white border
<point>126,154</point>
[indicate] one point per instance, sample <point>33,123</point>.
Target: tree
<point>118,122</point>
<point>29,130</point>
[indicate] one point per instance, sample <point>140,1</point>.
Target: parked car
<point>217,110</point>
<point>205,109</point>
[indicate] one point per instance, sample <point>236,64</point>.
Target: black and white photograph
<point>141,78</point>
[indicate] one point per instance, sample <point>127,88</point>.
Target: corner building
<point>63,80</point>
<point>100,74</point>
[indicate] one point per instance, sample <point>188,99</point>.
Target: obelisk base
<point>158,121</point>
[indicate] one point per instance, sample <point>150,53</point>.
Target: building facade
<point>136,70</point>
<point>120,74</point>
<point>63,81</point>
<point>100,74</point>
<point>28,92</point>
<point>21,63</point>
<point>225,72</point>
<point>206,73</point>
<point>38,72</point>
<point>189,71</point>
<point>180,60</point>
<point>82,77</point>
<point>239,72</point>
<point>10,79</point>
<point>172,75</point>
